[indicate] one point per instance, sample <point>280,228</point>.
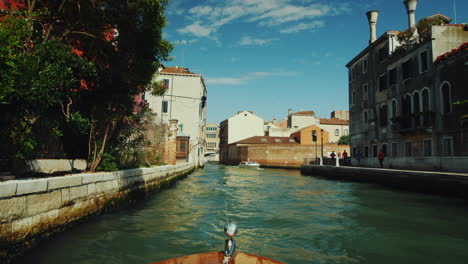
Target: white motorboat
<point>249,164</point>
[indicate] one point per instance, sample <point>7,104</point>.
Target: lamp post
<point>321,139</point>
<point>314,139</point>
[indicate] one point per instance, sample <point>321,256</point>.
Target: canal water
<point>281,215</point>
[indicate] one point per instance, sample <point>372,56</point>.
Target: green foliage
<point>108,163</point>
<point>344,140</point>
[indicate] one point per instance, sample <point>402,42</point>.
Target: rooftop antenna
<point>183,42</point>
<point>454,11</point>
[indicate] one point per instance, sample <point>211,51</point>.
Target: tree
<point>120,45</point>
<point>344,140</point>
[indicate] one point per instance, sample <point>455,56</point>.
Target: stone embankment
<point>34,209</point>
<point>441,183</point>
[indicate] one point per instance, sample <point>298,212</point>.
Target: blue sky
<point>269,56</point>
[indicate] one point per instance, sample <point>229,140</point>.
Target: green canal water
<point>281,215</point>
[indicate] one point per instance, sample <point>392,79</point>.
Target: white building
<point>241,126</point>
<point>184,100</point>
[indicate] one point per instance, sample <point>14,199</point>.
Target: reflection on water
<point>280,214</point>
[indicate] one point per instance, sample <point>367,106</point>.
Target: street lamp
<point>314,139</point>
<point>321,139</point>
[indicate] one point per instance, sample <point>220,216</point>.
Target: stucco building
<point>402,96</point>
<point>240,126</point>
<point>212,142</point>
<point>184,101</point>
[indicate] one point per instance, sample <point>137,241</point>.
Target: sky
<point>268,56</point>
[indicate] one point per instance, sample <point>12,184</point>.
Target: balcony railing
<point>417,121</point>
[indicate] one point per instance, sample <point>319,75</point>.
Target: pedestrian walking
<point>381,157</point>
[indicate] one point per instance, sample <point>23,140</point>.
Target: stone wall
<point>281,155</point>
<point>32,209</point>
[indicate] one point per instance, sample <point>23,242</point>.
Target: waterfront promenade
<point>435,182</point>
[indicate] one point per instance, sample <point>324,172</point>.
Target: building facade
<point>212,142</point>
<point>184,101</point>
<point>402,97</point>
<point>240,126</point>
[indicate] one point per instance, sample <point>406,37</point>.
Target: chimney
<point>411,9</point>
<point>289,112</point>
<point>372,17</point>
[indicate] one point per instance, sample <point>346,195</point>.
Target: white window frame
<point>420,61</point>
<point>365,93</point>
<point>442,97</point>
<point>424,147</point>
<point>443,146</point>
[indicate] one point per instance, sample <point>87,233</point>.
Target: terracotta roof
<point>443,17</point>
<point>282,123</point>
<point>333,121</point>
<point>179,70</point>
<point>304,113</point>
<point>266,140</point>
<point>393,32</point>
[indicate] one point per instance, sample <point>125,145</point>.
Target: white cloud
<point>207,19</point>
<point>302,26</point>
<point>196,29</point>
<point>247,77</point>
<point>249,41</point>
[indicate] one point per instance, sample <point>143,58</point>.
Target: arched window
<point>446,101</point>
<point>366,119</point>
<point>416,103</point>
<point>394,109</point>
<point>425,100</point>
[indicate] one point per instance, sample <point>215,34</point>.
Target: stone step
<point>7,177</point>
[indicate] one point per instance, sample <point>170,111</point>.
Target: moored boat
<point>249,164</point>
<point>228,256</point>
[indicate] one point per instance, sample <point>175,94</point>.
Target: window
<point>384,149</point>
<point>277,140</point>
<point>364,91</point>
<point>164,106</point>
<point>392,77</point>
<point>263,139</point>
<point>143,96</point>
<point>293,141</point>
<point>382,54</point>
<point>374,150</point>
<point>446,100</point>
<point>366,151</point>
<point>366,119</point>
<point>353,74</point>
<point>166,83</point>
<point>382,82</point>
<point>182,146</point>
<point>364,66</point>
<point>394,109</point>
<point>448,146</point>
<point>353,97</point>
<point>394,149</point>
<point>406,68</point>
<point>425,100</point>
<point>354,151</point>
<point>423,62</point>
<point>345,132</point>
<point>383,115</point>
<point>427,147</point>
<point>337,132</point>
<point>408,149</point>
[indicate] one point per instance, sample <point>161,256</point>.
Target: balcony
<point>422,121</point>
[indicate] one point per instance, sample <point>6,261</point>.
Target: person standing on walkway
<point>345,157</point>
<point>381,157</point>
<point>332,155</point>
